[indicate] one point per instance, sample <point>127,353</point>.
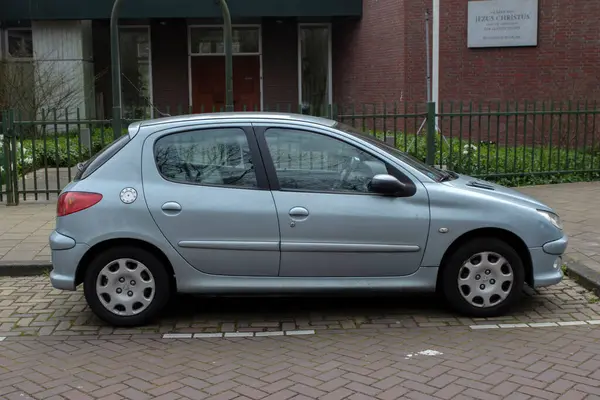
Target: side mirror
<point>386,184</point>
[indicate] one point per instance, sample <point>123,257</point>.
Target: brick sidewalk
<point>24,229</point>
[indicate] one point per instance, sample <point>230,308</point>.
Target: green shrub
<point>60,150</point>
<point>510,166</point>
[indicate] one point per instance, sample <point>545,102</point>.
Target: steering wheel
<point>345,173</point>
<point>188,172</point>
<point>194,173</point>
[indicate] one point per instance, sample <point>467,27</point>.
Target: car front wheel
<point>483,278</point>
<point>126,286</point>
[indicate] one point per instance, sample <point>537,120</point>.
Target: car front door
<point>207,190</point>
<point>331,225</point>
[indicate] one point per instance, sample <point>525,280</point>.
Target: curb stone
<point>583,275</point>
<point>24,268</point>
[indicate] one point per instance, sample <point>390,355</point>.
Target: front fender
<point>455,212</point>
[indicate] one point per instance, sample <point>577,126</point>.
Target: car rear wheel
<point>126,286</point>
<point>483,278</point>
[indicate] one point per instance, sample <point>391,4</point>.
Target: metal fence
<point>512,143</point>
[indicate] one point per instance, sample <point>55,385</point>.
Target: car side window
<point>219,157</point>
<point>309,161</point>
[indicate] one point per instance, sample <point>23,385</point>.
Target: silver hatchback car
<point>268,203</point>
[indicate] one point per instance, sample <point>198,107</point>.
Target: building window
<point>136,76</point>
<point>210,41</point>
<point>19,43</point>
<point>314,69</point>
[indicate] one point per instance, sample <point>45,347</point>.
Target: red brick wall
<point>564,65</point>
<point>368,55</point>
<point>382,57</point>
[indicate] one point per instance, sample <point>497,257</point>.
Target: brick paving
<point>414,363</point>
<point>29,306</point>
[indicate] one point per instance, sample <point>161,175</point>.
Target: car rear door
<point>330,229</point>
<point>206,188</point>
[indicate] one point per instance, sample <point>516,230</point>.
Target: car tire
<point>126,286</point>
<point>484,278</point>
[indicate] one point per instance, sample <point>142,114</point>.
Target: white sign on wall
<point>502,23</point>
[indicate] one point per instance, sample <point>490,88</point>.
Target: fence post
<point>430,157</point>
<point>8,146</point>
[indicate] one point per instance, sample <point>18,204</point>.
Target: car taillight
<point>72,202</point>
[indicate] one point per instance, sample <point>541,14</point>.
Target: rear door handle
<point>171,206</point>
<point>298,212</point>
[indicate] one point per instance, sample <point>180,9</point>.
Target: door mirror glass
<point>386,184</point>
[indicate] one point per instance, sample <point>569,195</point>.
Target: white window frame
<point>5,46</point>
<point>329,59</point>
<point>150,75</point>
<point>221,26</point>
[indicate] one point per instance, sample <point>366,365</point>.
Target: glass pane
<point>314,43</point>
<point>308,161</point>
<point>245,40</point>
<point>135,72</point>
<point>207,41</point>
<point>20,43</point>
<point>207,157</point>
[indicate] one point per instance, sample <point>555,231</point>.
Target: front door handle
<point>298,212</point>
<point>171,206</point>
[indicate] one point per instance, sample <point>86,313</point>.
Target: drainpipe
<point>228,39</point>
<point>436,60</point>
<point>116,69</point>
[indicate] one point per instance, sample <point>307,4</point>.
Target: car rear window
<point>88,167</point>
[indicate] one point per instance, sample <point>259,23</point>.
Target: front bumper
<point>66,255</point>
<point>547,262</point>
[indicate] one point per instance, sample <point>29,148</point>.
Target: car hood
<point>493,190</point>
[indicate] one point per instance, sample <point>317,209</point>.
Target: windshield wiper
<point>446,175</point>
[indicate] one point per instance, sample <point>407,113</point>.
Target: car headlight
<point>552,218</point>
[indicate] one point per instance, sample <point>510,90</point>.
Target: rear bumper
<point>66,255</point>
<point>547,262</point>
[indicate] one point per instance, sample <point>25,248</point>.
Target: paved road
<point>411,347</point>
<point>414,363</point>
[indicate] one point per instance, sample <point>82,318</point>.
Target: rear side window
<point>216,156</point>
<point>87,168</point>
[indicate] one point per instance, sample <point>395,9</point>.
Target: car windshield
<point>414,162</point>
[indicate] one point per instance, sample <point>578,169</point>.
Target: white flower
<point>469,148</point>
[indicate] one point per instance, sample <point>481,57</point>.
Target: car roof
<point>242,115</point>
